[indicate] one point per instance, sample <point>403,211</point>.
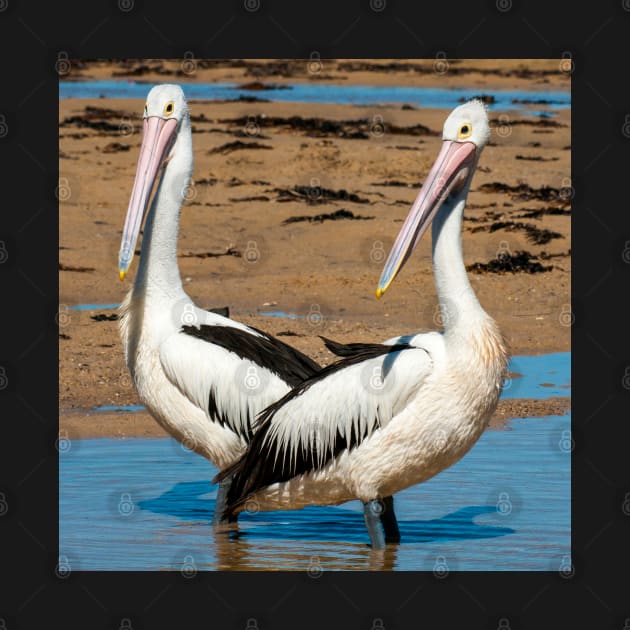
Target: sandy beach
<point>317,192</point>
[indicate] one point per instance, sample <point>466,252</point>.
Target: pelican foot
<point>221,503</point>
<point>381,523</point>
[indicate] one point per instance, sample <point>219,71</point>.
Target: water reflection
<point>313,539</point>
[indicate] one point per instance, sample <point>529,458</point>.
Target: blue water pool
<point>324,93</point>
<point>146,504</point>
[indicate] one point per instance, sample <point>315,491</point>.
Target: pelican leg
<point>221,503</point>
<point>381,523</point>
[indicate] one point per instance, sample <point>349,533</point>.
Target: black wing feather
<point>352,349</point>
<point>269,353</point>
<point>265,351</point>
<point>258,467</point>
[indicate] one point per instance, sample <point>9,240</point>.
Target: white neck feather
<point>459,306</point>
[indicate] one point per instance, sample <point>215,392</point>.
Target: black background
<point>595,595</point>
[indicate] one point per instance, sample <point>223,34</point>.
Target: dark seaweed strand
<point>259,468</point>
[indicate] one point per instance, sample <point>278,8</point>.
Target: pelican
<point>202,376</point>
<point>391,415</point>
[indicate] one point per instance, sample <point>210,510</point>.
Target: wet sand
<point>263,169</point>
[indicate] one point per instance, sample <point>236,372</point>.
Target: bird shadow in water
<point>187,501</point>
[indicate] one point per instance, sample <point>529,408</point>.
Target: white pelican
<point>202,376</point>
<point>392,415</point>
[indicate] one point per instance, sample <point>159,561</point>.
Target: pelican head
<point>164,111</point>
<point>465,133</point>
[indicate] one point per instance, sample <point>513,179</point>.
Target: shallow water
<point>92,307</point>
<point>541,376</point>
<point>504,506</point>
<point>324,93</point>
<point>147,504</point>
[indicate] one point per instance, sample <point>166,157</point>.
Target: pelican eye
<point>169,108</point>
<point>464,131</point>
<point>146,109</point>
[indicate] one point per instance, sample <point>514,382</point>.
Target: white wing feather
<point>351,402</point>
<point>240,388</point>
